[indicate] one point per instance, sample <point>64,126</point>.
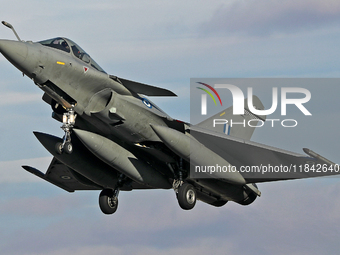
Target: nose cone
<point>14,51</point>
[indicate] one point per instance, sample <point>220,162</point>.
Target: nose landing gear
<point>69,119</point>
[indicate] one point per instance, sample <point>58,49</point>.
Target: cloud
<point>12,172</point>
<point>53,205</point>
<point>286,219</point>
<point>201,246</point>
<point>267,17</point>
<point>12,98</point>
<point>159,44</point>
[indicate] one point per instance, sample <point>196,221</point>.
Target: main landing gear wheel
<point>108,201</point>
<point>186,196</point>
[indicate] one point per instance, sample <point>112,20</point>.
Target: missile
<point>121,159</point>
<point>196,153</point>
<point>318,156</point>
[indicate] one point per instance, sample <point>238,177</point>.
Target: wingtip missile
<point>317,156</point>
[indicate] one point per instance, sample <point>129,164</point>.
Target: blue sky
<point>165,44</point>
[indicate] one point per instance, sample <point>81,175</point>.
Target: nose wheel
<point>69,119</point>
<point>66,147</point>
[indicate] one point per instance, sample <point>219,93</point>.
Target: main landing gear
<point>108,198</point>
<point>69,119</point>
<point>186,194</point>
<point>108,201</point>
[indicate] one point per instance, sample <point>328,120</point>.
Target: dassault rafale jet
<point>116,139</point>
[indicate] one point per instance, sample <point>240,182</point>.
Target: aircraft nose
<point>14,51</point>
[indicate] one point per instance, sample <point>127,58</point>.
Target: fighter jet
<point>116,139</point>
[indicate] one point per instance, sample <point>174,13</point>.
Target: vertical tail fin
<point>235,125</point>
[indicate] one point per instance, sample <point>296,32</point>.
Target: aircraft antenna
<point>11,27</point>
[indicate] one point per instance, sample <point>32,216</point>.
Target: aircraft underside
<point>117,139</point>
<point>76,167</point>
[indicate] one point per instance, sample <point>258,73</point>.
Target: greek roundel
<point>147,103</point>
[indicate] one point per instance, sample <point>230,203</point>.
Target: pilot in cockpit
<point>65,46</point>
<point>76,51</point>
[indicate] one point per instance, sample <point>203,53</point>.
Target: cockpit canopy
<point>67,45</point>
